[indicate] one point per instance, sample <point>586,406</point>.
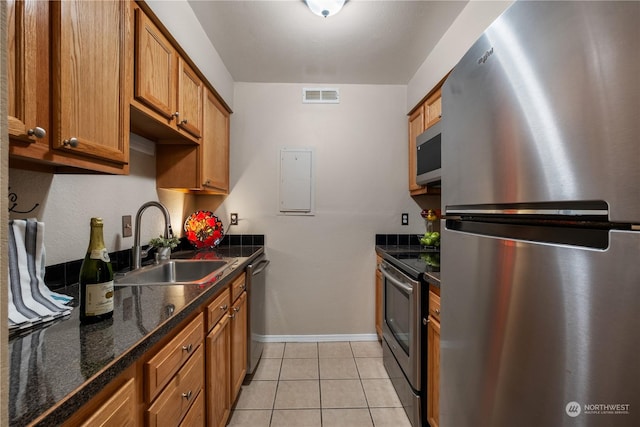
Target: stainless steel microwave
<point>428,161</point>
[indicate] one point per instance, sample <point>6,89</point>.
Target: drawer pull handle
<point>187,348</point>
<point>224,307</point>
<point>187,395</point>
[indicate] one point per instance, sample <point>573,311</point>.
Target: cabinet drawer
<point>195,416</point>
<point>119,410</point>
<point>434,306</point>
<point>238,286</point>
<point>176,399</point>
<point>160,369</point>
<point>217,309</point>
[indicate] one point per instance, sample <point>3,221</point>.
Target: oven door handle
<point>395,282</point>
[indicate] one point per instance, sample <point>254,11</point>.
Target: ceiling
<point>368,42</point>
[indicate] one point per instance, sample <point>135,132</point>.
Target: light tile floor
<point>326,384</point>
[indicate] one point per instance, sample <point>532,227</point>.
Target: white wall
<point>67,203</point>
<point>463,33</point>
<point>321,279</point>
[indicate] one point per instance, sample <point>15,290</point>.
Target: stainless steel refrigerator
<point>540,258</point>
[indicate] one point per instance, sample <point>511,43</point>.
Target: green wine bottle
<point>96,279</point>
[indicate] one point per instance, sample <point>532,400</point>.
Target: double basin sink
<point>178,272</point>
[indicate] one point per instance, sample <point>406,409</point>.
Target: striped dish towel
<point>30,300</point>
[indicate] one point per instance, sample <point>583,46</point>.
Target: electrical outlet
<point>234,219</point>
<point>127,230</point>
<point>405,219</point>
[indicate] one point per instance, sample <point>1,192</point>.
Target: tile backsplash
<point>67,273</point>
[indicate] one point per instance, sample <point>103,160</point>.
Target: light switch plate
<point>127,229</point>
<point>234,219</point>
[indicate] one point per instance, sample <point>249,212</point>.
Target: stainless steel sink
<point>177,272</point>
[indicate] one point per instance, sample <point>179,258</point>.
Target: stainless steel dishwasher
<point>256,272</point>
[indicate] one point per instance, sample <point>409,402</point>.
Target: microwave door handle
<point>395,282</point>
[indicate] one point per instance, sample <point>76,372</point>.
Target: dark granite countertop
<point>412,259</point>
<point>67,363</point>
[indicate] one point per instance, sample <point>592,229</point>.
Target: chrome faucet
<point>137,250</point>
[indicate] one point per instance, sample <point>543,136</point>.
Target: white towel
<point>30,300</point>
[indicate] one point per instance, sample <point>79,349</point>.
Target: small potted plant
<point>164,245</point>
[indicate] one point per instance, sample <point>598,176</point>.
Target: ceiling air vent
<point>320,96</point>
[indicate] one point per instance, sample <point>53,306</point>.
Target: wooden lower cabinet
<point>433,364</point>
<point>218,362</point>
<point>190,378</point>
<point>196,416</point>
<point>116,405</point>
<point>178,396</point>
<point>119,411</point>
<point>238,344</point>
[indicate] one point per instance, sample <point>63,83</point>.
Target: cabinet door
<point>155,71</point>
<point>90,104</point>
<point>416,127</point>
<point>215,146</point>
<point>118,411</point>
<point>433,380</point>
<point>433,109</point>
<point>218,366</point>
<point>238,344</point>
<point>190,94</point>
<point>27,66</point>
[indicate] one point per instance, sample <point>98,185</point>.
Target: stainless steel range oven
<point>404,332</point>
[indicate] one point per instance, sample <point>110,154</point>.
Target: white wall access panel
<point>296,181</point>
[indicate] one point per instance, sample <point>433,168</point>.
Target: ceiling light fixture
<point>325,7</point>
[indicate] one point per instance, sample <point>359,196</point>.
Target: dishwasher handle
<point>259,267</point>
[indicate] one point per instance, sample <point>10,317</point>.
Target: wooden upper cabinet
<point>90,114</point>
<point>68,91</point>
<point>168,93</point>
<point>27,89</point>
<point>155,71</point>
<point>215,149</point>
<point>433,109</point>
<point>190,96</point>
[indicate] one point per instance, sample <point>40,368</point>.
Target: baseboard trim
<point>319,338</point>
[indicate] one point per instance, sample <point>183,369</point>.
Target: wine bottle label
<point>99,298</point>
<point>100,254</point>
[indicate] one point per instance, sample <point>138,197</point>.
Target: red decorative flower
<point>204,229</point>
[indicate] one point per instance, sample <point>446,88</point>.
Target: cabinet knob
<point>38,132</point>
<point>71,142</point>
<point>187,348</point>
<point>425,321</point>
<point>236,309</point>
<point>437,310</point>
<point>175,115</point>
<point>224,307</point>
<point>187,395</point>
<point>183,122</point>
<point>232,315</point>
